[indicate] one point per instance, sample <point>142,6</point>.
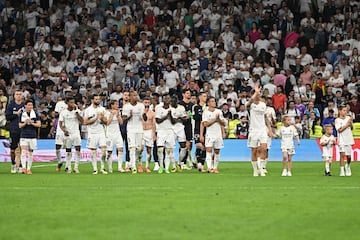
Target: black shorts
<point>188,133</point>
<point>14,140</point>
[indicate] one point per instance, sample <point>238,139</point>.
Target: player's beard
<point>96,103</point>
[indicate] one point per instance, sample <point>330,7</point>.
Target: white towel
<point>25,116</point>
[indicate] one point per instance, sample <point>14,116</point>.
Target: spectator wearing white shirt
<point>172,79</point>
<point>261,43</point>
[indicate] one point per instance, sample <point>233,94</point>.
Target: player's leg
<point>160,153</point>
<point>169,157</point>
<point>120,156</point>
<point>348,161</point>
<point>156,159</point>
<point>24,149</point>
<point>262,155</point>
<point>182,154</point>
<point>216,159</point>
<point>103,158</point>
<point>31,147</point>
<point>148,159</point>
<point>284,163</point>
<point>68,160</point>
<point>327,161</point>
<point>14,144</point>
<point>59,141</point>
<point>289,167</point>
<point>77,158</point>
<point>17,158</point>
<point>342,156</point>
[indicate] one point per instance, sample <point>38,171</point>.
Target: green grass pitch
<point>187,205</point>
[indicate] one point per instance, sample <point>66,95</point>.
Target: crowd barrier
<point>234,151</point>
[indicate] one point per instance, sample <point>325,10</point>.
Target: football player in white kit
<point>327,141</point>
<point>113,135</point>
<point>271,117</point>
<point>94,119</point>
<point>149,136</point>
<point>59,136</point>
<point>69,122</point>
<point>178,114</point>
<point>344,125</point>
<point>165,134</point>
<point>287,133</point>
<point>214,121</point>
<point>258,131</point>
<point>133,113</point>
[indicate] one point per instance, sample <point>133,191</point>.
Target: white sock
<point>259,163</point>
<point>216,160</point>
<point>182,154</point>
<point>120,159</point>
<point>263,163</point>
<point>58,155</point>
<point>23,158</point>
<point>132,153</point>
<point>109,160</point>
<point>94,160</point>
<point>189,156</point>
<point>139,156</point>
<point>77,160</point>
<point>342,169</point>
<point>148,159</point>
<point>103,159</point>
<point>254,165</point>
<point>327,167</point>
<point>68,160</point>
<point>161,156</point>
<point>209,160</point>
<point>30,160</point>
<point>169,158</point>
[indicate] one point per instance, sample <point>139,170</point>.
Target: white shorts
<point>72,140</point>
<point>290,151</point>
<point>31,143</point>
<point>214,142</point>
<point>148,138</point>
<point>59,138</point>
<point>180,135</point>
<point>134,139</point>
<point>165,138</point>
<point>345,149</point>
<point>257,138</point>
<point>95,140</point>
<point>114,140</point>
<point>327,158</point>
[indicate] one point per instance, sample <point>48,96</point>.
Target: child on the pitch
<point>287,133</point>
<point>344,125</point>
<point>327,141</point>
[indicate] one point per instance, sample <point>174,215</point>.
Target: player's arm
<point>255,96</point>
<point>153,127</point>
<point>202,128</point>
<point>36,124</point>
<point>343,128</point>
<point>88,120</point>
<point>110,118</point>
<point>323,142</point>
<point>127,116</point>
<point>160,120</point>
<point>268,125</point>
<point>78,116</point>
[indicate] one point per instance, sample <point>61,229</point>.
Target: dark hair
<point>29,101</point>
<point>68,99</point>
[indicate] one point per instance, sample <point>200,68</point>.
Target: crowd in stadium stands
<point>304,53</point>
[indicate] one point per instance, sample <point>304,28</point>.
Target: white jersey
<point>161,112</point>
<point>113,128</point>
<point>345,137</point>
<point>61,105</point>
<point>328,148</point>
<point>287,135</point>
<point>214,131</point>
<point>134,124</point>
<point>70,121</point>
<point>257,117</point>
<point>92,112</point>
<point>178,112</point>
